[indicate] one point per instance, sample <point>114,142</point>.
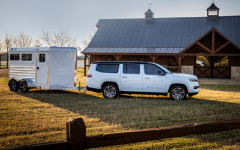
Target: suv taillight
<point>89,75</point>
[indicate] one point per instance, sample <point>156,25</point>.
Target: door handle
<point>37,68</point>
<point>147,78</point>
<point>124,77</point>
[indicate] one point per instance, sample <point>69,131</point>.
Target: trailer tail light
<point>89,75</point>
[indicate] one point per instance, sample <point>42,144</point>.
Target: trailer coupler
<point>81,89</point>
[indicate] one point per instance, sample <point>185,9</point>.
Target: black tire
<point>13,85</point>
<point>190,95</point>
<point>178,92</point>
<point>110,91</point>
<point>23,86</point>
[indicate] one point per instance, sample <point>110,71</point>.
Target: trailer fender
<point>30,82</point>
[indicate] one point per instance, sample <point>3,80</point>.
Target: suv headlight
<point>193,80</point>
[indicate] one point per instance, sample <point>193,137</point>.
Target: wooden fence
<point>77,139</point>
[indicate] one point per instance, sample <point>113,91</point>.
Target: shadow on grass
<point>145,111</point>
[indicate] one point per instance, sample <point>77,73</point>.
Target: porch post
<point>85,67</point>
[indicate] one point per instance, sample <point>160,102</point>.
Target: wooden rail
<point>77,139</point>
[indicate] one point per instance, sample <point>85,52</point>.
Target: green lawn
<point>40,116</point>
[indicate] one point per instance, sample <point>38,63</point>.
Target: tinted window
<point>150,69</point>
<point>107,68</point>
<point>26,57</point>
<point>41,57</point>
<point>131,68</point>
<point>14,56</point>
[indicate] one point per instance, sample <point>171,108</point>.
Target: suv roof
<point>122,62</point>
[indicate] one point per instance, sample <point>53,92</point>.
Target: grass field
<point>40,115</point>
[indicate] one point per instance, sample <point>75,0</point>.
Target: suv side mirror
<point>161,73</point>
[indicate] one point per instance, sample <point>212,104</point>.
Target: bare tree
<point>59,39</point>
<point>86,42</point>
<point>37,43</point>
<point>23,40</point>
<point>47,38</point>
<point>9,41</point>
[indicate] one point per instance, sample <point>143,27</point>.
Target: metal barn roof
<point>213,6</point>
<point>163,35</point>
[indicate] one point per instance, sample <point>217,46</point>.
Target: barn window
<point>203,61</point>
<point>221,61</point>
<point>41,57</point>
<point>26,57</point>
<point>14,56</point>
<point>131,68</point>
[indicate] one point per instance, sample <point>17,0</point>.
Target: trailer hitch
<point>81,89</point>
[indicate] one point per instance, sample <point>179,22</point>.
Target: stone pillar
<point>235,72</point>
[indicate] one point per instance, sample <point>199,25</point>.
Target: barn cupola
<point>213,11</point>
<point>149,15</point>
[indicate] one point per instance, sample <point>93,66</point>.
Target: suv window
<point>131,68</point>
<point>107,68</point>
<point>150,69</point>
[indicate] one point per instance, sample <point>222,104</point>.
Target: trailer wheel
<point>13,85</point>
<point>23,86</point>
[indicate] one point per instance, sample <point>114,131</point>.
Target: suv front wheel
<point>178,92</point>
<point>110,91</point>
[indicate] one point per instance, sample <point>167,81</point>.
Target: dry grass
<point>40,116</point>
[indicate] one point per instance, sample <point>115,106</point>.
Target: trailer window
<point>26,57</point>
<point>41,57</point>
<point>14,56</point>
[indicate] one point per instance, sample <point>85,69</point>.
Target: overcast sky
<point>79,17</point>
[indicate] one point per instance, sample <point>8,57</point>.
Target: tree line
<point>59,39</point>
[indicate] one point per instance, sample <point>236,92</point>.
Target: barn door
<point>42,69</point>
<point>212,67</point>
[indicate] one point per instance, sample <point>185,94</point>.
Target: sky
<point>79,17</point>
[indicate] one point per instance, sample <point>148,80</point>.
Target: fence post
<point>76,133</point>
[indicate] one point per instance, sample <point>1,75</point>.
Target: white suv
<point>128,77</point>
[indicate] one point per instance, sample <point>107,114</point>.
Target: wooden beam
<point>187,48</point>
<point>85,67</point>
<point>213,41</point>
<point>222,46</point>
<point>201,54</point>
<point>210,51</point>
<point>154,57</point>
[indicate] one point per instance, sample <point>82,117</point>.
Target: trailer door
<point>42,69</point>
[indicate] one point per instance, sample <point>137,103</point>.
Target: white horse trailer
<point>53,68</point>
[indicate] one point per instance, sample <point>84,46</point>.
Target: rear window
<point>131,68</point>
<point>26,57</point>
<point>108,68</point>
<point>14,56</point>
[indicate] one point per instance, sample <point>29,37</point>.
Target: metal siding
<point>162,33</point>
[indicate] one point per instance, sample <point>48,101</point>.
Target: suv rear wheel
<point>110,91</point>
<point>178,92</point>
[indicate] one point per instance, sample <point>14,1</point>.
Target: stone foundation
<point>187,69</point>
<point>235,72</point>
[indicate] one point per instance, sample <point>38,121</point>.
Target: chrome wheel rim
<point>23,86</point>
<point>13,86</point>
<point>110,92</point>
<point>178,93</point>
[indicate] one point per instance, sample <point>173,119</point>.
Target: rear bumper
<point>94,90</point>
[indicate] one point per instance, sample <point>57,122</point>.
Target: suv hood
<point>184,75</point>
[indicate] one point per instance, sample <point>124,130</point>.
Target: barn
<point>208,47</point>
